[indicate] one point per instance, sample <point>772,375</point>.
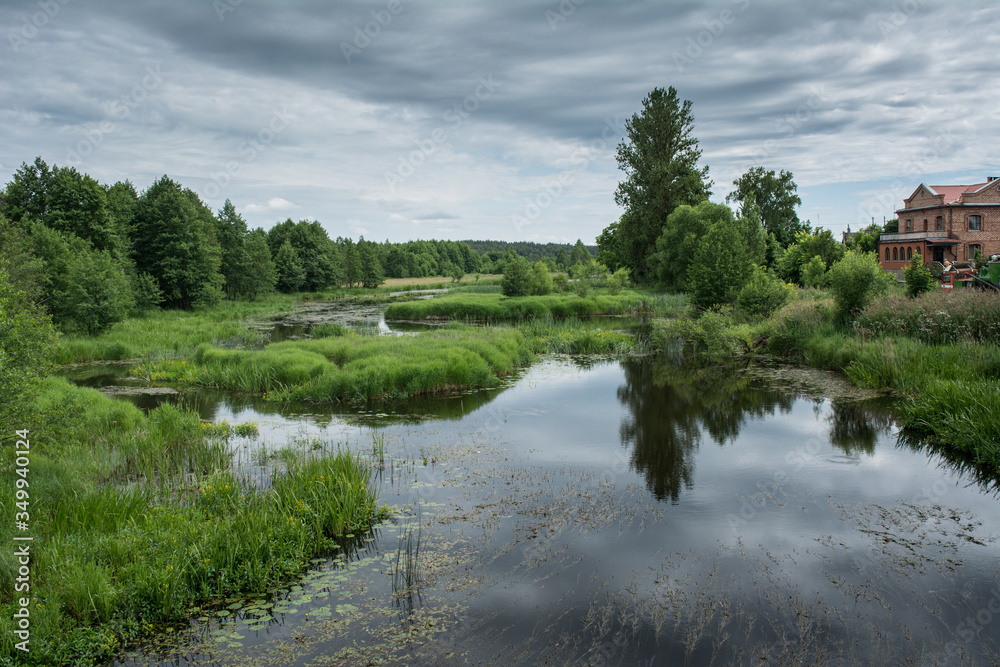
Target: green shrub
<point>540,282</point>
<point>762,294</point>
<point>814,272</point>
<point>517,278</point>
<point>560,283</point>
<point>619,280</point>
<point>855,281</point>
<point>918,277</point>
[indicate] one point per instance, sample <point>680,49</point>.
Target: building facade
<point>945,223</point>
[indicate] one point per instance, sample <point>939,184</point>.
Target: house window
<point>895,255</point>
<point>887,254</point>
<point>973,249</point>
<point>909,254</point>
<point>909,225</point>
<point>925,224</point>
<point>975,223</point>
<point>940,223</point>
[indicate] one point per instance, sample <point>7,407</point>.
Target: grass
<point>175,333</point>
<point>352,368</point>
<point>494,307</point>
<point>140,520</point>
<point>950,383</point>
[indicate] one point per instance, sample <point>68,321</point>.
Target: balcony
<point>934,238</point>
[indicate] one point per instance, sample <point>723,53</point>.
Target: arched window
<point>895,255</point>
<point>909,254</point>
<point>887,254</point>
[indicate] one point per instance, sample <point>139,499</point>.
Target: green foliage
<point>137,518</point>
<point>540,282</point>
<point>806,246</point>
<point>713,333</point>
<point>26,337</point>
<point>175,243</point>
<point>681,237</point>
<point>938,317</point>
<point>96,293</point>
<point>560,283</point>
<point>660,160</point>
<point>719,267</point>
<point>866,240</point>
<point>619,280</point>
<point>494,307</point>
<point>918,277</point>
<point>372,274</point>
<point>814,272</point>
<point>775,195</point>
<point>762,294</point>
<point>246,264</point>
<point>291,275</point>
<point>516,278</point>
<point>855,281</point>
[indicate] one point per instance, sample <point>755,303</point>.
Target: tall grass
<point>357,368</point>
<point>493,307</point>
<point>935,317</point>
<point>136,518</point>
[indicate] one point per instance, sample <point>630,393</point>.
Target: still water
<point>629,513</point>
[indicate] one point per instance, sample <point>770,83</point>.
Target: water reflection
<point>855,426</point>
<point>670,406</point>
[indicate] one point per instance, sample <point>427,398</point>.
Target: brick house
<point>945,222</point>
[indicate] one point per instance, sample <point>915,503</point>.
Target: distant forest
<point>92,253</point>
<point>532,252</point>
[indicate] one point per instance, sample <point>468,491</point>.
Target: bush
<point>855,281</point>
<point>516,278</point>
<point>762,294</point>
<point>918,277</point>
<point>619,279</point>
<point>938,318</point>
<point>560,283</point>
<point>540,282</point>
<point>814,272</point>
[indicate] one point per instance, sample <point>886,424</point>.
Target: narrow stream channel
<point>627,513</point>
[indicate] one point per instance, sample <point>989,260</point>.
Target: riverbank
<point>939,352</point>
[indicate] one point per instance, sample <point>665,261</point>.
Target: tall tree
<point>660,160</point>
<point>775,196</point>
<point>682,234</point>
<point>175,243</point>
<point>235,265</point>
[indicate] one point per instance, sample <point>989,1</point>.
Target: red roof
<point>953,193</point>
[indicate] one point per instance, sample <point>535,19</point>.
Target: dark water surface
<point>627,513</point>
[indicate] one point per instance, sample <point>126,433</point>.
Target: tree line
<point>92,254</point>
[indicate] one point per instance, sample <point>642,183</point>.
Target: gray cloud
<point>835,92</point>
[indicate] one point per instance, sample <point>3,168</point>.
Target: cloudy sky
<point>406,119</point>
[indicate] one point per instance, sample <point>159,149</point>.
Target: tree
<point>855,281</point>
<point>891,226</point>
<point>660,160</point>
<point>540,282</point>
<point>866,240</point>
<point>918,277</point>
<point>235,263</point>
<point>175,243</point>
<point>762,294</point>
<point>820,243</point>
<point>580,253</point>
<point>814,272</point>
<point>516,277</point>
<point>720,267</point>
<point>372,274</point>
<point>96,293</point>
<point>291,275</point>
<point>775,195</point>
<point>264,276</point>
<point>682,234</point>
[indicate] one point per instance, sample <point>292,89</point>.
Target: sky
<point>416,119</point>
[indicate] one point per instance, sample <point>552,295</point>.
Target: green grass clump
<point>493,307</point>
<point>139,520</point>
<point>580,337</point>
<point>174,333</point>
<point>356,368</point>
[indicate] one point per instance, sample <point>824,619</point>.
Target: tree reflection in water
<point>671,407</point>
